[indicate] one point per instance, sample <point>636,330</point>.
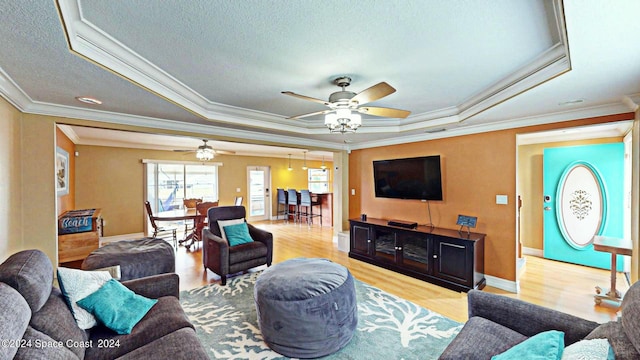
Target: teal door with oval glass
<point>583,197</point>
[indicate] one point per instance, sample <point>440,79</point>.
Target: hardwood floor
<point>565,287</point>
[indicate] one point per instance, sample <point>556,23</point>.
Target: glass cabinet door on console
<point>415,251</point>
<point>361,239</point>
<point>385,245</point>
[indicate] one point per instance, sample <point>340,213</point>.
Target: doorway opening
<point>529,179</point>
<point>259,198</point>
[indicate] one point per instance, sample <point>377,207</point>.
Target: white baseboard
<point>343,241</point>
<point>532,252</point>
<point>500,283</point>
<point>108,239</point>
<point>520,266</point>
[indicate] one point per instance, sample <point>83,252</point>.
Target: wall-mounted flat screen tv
<point>416,178</point>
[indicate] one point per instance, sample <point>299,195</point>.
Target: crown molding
<point>94,44</point>
<point>632,101</point>
<point>48,109</point>
<point>595,111</point>
<point>12,92</point>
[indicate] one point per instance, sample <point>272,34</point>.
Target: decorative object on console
<point>468,221</point>
<point>400,223</point>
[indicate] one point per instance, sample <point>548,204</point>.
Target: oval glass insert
<point>580,204</point>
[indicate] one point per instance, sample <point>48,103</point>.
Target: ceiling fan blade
<point>373,93</point>
<point>183,150</point>
<point>311,114</point>
<point>303,97</point>
<point>384,112</point>
<point>224,152</point>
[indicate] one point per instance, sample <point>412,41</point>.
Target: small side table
<point>615,246</point>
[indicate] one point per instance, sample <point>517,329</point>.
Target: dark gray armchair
<point>223,259</point>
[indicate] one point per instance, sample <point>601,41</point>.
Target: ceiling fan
<point>205,152</point>
<point>345,107</point>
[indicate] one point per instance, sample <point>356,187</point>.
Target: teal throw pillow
<point>238,234</point>
<point>117,307</point>
<point>545,345</point>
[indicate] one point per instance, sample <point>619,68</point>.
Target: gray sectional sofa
<point>36,323</point>
<point>497,323</point>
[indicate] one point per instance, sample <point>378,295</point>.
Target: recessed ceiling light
<point>571,102</point>
<point>88,100</point>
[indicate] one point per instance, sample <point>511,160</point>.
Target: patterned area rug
<point>388,327</point>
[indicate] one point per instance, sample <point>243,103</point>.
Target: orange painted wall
<point>67,202</point>
<point>475,168</point>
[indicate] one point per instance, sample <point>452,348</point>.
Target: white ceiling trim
<point>552,63</point>
<point>12,92</point>
<point>153,123</point>
<point>469,129</point>
<point>87,40</point>
<point>632,101</point>
<point>18,98</point>
<point>608,130</point>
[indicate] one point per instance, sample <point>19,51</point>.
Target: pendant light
<point>304,165</point>
<point>323,166</point>
<point>290,168</point>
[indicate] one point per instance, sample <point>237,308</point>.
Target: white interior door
<point>259,186</point>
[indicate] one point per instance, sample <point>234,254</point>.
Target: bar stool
<point>282,200</point>
<point>292,200</point>
<point>308,203</point>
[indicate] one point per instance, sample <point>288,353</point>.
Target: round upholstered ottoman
<point>306,307</point>
<point>137,258</point>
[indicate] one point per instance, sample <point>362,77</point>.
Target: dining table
<point>184,214</point>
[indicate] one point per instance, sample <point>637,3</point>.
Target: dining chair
<point>307,202</point>
<point>282,201</point>
<point>292,200</point>
<point>238,201</point>
<point>201,221</point>
<point>190,204</point>
<point>161,231</point>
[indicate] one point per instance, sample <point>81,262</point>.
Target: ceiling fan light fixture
<point>343,121</point>
<point>205,152</point>
<point>343,113</point>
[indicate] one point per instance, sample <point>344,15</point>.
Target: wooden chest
<point>78,234</point>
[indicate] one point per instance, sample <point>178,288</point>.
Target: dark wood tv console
<point>443,257</point>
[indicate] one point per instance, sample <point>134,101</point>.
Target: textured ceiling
<point>217,68</point>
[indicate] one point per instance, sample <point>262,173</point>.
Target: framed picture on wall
<point>62,172</point>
